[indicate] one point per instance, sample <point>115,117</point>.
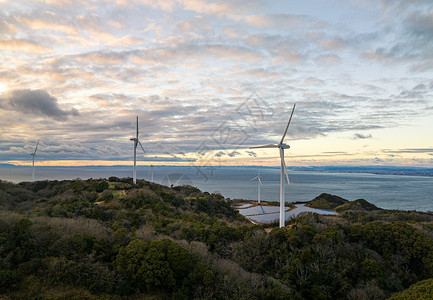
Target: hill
<point>326,201</point>
<point>109,239</point>
<point>360,204</point>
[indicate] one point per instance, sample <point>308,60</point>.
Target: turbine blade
<point>40,160</point>
<point>260,181</point>
<point>254,178</point>
<point>141,147</point>
<point>284,166</point>
<point>287,127</point>
<point>37,144</point>
<point>137,127</point>
<point>265,146</point>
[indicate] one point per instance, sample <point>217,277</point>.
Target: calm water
<point>385,191</point>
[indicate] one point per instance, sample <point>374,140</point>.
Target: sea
<point>385,191</point>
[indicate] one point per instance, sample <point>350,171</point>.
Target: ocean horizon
<point>385,191</point>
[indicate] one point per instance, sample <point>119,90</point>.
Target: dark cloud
<point>419,92</point>
<point>358,136</point>
<point>334,152</point>
<point>38,102</point>
<point>410,150</point>
<point>233,154</point>
<point>420,24</point>
<point>174,158</point>
<point>219,154</point>
<point>251,153</point>
<point>378,160</point>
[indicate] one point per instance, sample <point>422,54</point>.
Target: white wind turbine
<point>281,146</point>
<point>34,154</point>
<point>259,183</point>
<point>151,173</point>
<point>136,143</point>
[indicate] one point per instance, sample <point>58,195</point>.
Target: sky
<point>209,79</point>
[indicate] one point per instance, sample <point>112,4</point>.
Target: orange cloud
<point>23,46</point>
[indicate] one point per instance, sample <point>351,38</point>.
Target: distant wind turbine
<point>281,146</point>
<point>151,173</point>
<point>136,143</point>
<point>259,183</point>
<point>33,154</point>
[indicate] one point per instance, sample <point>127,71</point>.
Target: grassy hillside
<point>108,239</point>
<point>360,204</point>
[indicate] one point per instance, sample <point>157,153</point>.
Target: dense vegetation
<point>108,239</point>
<point>327,201</point>
<point>421,290</point>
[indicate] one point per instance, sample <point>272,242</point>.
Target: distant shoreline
<point>376,170</point>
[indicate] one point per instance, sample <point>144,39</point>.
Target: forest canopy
<point>107,238</point>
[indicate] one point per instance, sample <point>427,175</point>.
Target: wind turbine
<point>136,143</point>
<point>281,146</point>
<point>34,154</point>
<point>151,173</point>
<point>259,183</point>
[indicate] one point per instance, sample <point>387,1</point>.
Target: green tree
<point>153,264</point>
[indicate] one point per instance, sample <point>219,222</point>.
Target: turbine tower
<point>281,146</point>
<point>136,143</point>
<point>34,154</point>
<point>151,173</point>
<point>259,183</point>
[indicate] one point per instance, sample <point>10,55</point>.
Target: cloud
<point>185,66</point>
<point>227,9</point>
<point>334,152</point>
<point>420,24</point>
<point>220,153</point>
<point>103,57</point>
<point>233,154</point>
<point>333,43</point>
<point>328,59</point>
<point>359,136</point>
<point>127,41</point>
<point>23,45</point>
<point>407,28</point>
<point>36,24</point>
<point>410,150</point>
<point>274,20</point>
<point>38,102</point>
<point>251,153</point>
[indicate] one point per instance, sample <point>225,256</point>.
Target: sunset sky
<point>209,79</point>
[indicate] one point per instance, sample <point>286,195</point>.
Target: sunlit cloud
<point>22,45</point>
<point>216,75</point>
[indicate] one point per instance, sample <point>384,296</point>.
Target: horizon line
<point>215,167</point>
